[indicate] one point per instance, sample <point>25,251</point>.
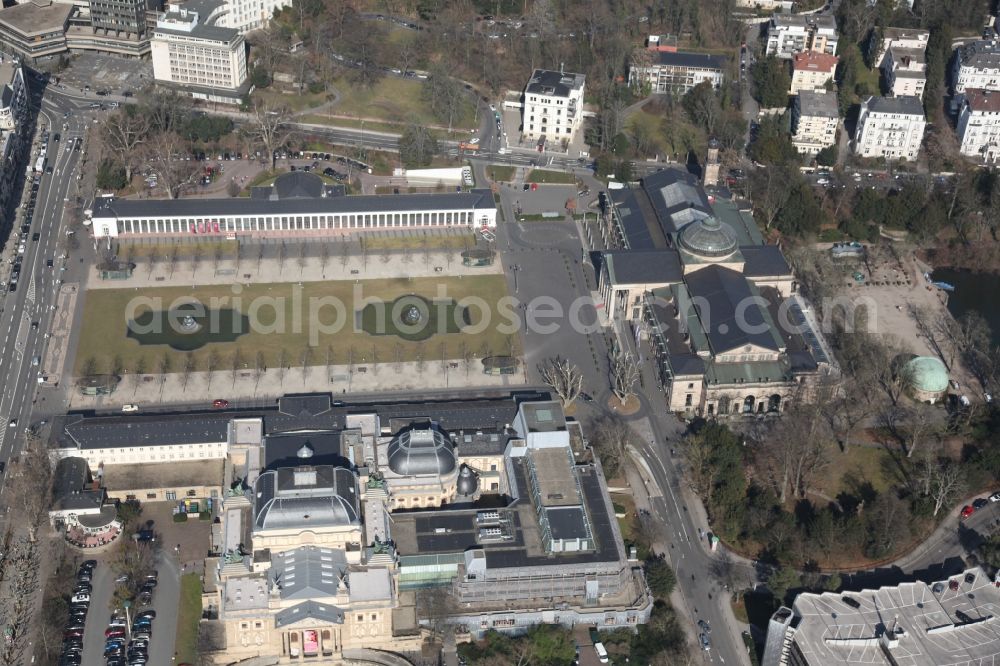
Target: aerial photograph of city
<point>500,332</point>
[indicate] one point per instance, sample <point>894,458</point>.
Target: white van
<point>130,408</point>
<point>602,654</point>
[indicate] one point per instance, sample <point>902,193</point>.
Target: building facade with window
<point>905,71</point>
<point>976,65</point>
<point>322,215</point>
<point>815,118</point>
<point>812,71</point>
<point>979,125</point>
<point>695,281</point>
<point>794,33</point>
<point>205,60</point>
<point>553,106</point>
<point>890,127</point>
<point>674,71</point>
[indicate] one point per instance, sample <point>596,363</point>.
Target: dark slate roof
<point>719,296</point>
<point>312,610</point>
<point>298,185</point>
<point>69,486</point>
<point>906,104</point>
<point>567,522</point>
<point>639,225</point>
<point>152,208</point>
<point>304,405</point>
<point>158,430</point>
<point>547,82</point>
<point>682,59</point>
<point>687,364</point>
<point>764,260</point>
<point>319,447</point>
<point>676,197</point>
<point>644,266</point>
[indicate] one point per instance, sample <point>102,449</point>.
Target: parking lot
<point>101,72</point>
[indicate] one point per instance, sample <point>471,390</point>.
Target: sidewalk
<point>246,384</point>
<point>394,264</point>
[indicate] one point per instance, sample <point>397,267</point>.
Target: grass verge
<point>500,173</point>
<point>188,615</point>
<point>553,177</point>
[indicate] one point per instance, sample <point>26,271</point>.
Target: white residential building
<point>13,97</point>
<point>904,38</point>
<point>890,127</point>
<point>675,72</point>
<point>247,15</point>
<point>976,65</point>
<point>812,71</point>
<point>979,125</point>
<point>815,116</point>
<point>204,60</point>
<point>795,33</point>
<point>905,71</point>
<point>553,106</point>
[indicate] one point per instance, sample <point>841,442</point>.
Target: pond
<point>973,291</point>
<point>187,327</point>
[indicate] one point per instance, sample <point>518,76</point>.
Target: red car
<point>967,511</point>
<point>112,632</point>
<point>218,404</point>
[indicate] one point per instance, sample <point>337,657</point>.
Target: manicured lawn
<point>188,614</point>
<point>543,176</point>
<point>288,323</point>
<point>848,471</point>
<point>396,100</point>
<point>500,173</point>
<point>294,101</point>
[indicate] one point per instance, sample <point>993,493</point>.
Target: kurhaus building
<point>298,204</point>
<point>719,307</point>
<point>337,520</point>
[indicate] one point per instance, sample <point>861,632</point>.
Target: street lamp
<point>514,268</point>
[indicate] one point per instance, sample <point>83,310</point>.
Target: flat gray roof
<point>112,207</point>
<point>36,18</point>
<point>933,627</point>
<point>905,104</point>
<point>823,104</point>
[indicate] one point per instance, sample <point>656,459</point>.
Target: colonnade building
<point>303,210</point>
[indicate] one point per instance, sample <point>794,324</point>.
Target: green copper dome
<point>708,237</point>
<point>927,374</point>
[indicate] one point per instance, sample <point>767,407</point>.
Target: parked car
<point>980,502</point>
<point>220,403</point>
<point>967,511</point>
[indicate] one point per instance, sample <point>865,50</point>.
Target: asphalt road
<point>34,299</point>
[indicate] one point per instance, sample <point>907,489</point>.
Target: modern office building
<point>815,118</point>
<point>194,55</point>
<point>979,125</point>
<point>674,71</point>
<point>553,106</point>
<point>695,278</point>
<point>318,551</point>
<point>34,29</point>
<point>952,621</point>
<point>306,209</point>
<point>890,127</point>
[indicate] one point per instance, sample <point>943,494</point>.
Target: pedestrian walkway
<point>323,260</point>
<point>248,385</point>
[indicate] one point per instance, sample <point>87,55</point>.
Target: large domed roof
<point>708,237</point>
<point>928,374</point>
<point>468,481</point>
<point>421,451</point>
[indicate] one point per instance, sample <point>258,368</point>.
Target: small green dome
<point>928,374</point>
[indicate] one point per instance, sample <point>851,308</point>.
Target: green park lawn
<point>188,615</point>
<point>544,176</point>
<point>105,346</point>
<point>394,100</point>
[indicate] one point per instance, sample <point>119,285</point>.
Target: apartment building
<point>673,71</point>
<point>904,38</point>
<point>553,106</point>
<point>791,34</point>
<point>979,125</point>
<point>14,122</point>
<point>976,65</point>
<point>815,116</point>
<point>904,71</point>
<point>205,60</point>
<point>812,71</point>
<point>247,15</point>
<point>890,127</point>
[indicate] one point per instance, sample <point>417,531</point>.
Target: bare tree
<point>29,484</point>
<point>187,369</point>
<point>259,368</point>
<point>611,438</point>
<point>282,364</point>
<point>419,355</point>
<point>268,127</point>
<point>794,450</point>
<point>397,356</point>
<point>624,375</point>
<point>305,358</point>
<point>124,131</point>
<point>162,153</point>
<point>237,364</point>
<point>302,258</point>
<point>195,259</point>
<point>324,257</point>
<point>211,365</point>
<point>563,377</point>
<point>329,359</point>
